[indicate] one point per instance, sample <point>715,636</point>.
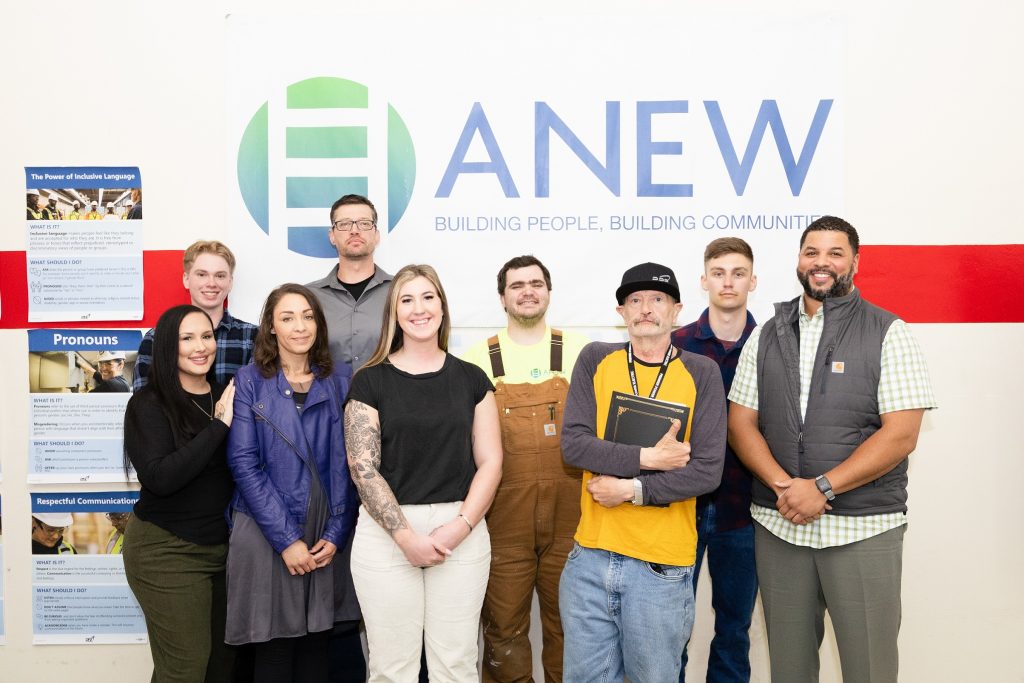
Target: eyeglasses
<point>346,225</point>
<point>47,529</point>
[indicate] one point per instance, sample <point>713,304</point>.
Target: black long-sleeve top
<point>185,489</point>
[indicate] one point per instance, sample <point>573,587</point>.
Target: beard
<point>841,285</point>
<point>527,320</point>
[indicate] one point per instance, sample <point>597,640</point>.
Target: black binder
<point>642,421</point>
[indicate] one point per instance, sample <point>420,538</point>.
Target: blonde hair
<point>208,247</point>
<point>390,332</point>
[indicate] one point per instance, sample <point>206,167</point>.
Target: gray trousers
<point>859,585</point>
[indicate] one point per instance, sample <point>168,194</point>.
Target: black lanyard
<point>657,380</point>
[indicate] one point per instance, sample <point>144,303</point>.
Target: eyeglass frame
<point>373,225</point>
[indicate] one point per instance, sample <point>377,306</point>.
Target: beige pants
<point>405,606</point>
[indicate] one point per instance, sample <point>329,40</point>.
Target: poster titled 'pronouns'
<point>79,384</point>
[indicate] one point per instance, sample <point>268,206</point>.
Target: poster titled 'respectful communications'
<point>79,591</point>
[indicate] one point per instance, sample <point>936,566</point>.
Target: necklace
<point>207,414</point>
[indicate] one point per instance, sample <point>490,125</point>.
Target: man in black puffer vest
<point>826,407</point>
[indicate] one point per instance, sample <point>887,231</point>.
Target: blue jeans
<point>623,617</point>
<point>733,593</point>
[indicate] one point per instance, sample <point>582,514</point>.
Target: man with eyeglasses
<point>354,293</point>
<point>353,296</point>
<point>48,533</point>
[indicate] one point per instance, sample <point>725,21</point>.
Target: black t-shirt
<point>426,425</point>
<point>356,288</point>
<point>187,488</point>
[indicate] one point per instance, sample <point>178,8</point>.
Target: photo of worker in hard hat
<point>78,533</point>
<point>48,530</point>
<point>108,376</point>
<point>36,202</point>
<point>81,371</point>
<point>87,204</point>
<point>136,212</point>
<point>115,537</point>
<point>53,210</point>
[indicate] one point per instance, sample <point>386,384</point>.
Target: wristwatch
<point>824,486</point>
<point>638,492</point>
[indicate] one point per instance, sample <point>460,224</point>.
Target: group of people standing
<point>40,207</point>
<point>284,498</point>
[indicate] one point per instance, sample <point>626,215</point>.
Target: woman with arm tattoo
<point>424,449</point>
<point>295,504</point>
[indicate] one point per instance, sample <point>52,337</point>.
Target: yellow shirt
<point>666,535</point>
<point>527,364</point>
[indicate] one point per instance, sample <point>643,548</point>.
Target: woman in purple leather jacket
<point>295,503</point>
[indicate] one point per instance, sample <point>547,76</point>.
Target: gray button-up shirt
<point>353,326</point>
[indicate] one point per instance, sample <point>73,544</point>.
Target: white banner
<point>593,142</point>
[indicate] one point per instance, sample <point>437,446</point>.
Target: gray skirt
<point>264,600</point>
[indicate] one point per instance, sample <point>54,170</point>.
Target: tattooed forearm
<point>362,442</point>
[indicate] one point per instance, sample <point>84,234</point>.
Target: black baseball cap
<point>648,276</point>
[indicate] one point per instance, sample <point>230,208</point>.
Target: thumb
<point>673,430</point>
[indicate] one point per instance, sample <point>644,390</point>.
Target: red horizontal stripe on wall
<point>920,283</point>
<point>962,283</point>
<point>163,289</point>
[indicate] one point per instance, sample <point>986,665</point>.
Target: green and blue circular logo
<point>309,150</point>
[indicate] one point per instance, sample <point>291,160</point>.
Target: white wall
<point>933,94</point>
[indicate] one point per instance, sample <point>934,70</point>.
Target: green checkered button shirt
<point>903,385</point>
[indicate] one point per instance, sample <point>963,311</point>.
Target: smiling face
<point>294,325</point>
<point>419,310</point>
<point>649,314</point>
<point>109,369</point>
<point>827,265</point>
<point>45,534</point>
<point>196,347</point>
<point>354,243</point>
<point>526,296</point>
<point>728,280</point>
<point>208,281</point>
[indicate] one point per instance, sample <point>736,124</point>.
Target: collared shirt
<point>235,339</point>
<point>352,326</point>
<point>732,498</point>
<point>904,384</point>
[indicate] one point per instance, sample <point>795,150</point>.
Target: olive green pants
<point>180,587</point>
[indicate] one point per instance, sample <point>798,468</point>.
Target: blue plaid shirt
<point>235,339</point>
<point>732,497</point>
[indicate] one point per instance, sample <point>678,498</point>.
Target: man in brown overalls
<point>537,507</point>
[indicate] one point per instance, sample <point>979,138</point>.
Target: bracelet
<point>466,520</point>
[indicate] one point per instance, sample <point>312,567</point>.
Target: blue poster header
<point>84,340</point>
<point>103,501</point>
<point>81,177</point>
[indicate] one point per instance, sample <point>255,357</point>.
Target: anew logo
<point>320,144</point>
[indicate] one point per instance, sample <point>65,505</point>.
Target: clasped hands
<point>301,559</point>
<point>430,550</point>
<point>800,501</point>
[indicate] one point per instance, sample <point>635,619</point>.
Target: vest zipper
<point>828,368</point>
